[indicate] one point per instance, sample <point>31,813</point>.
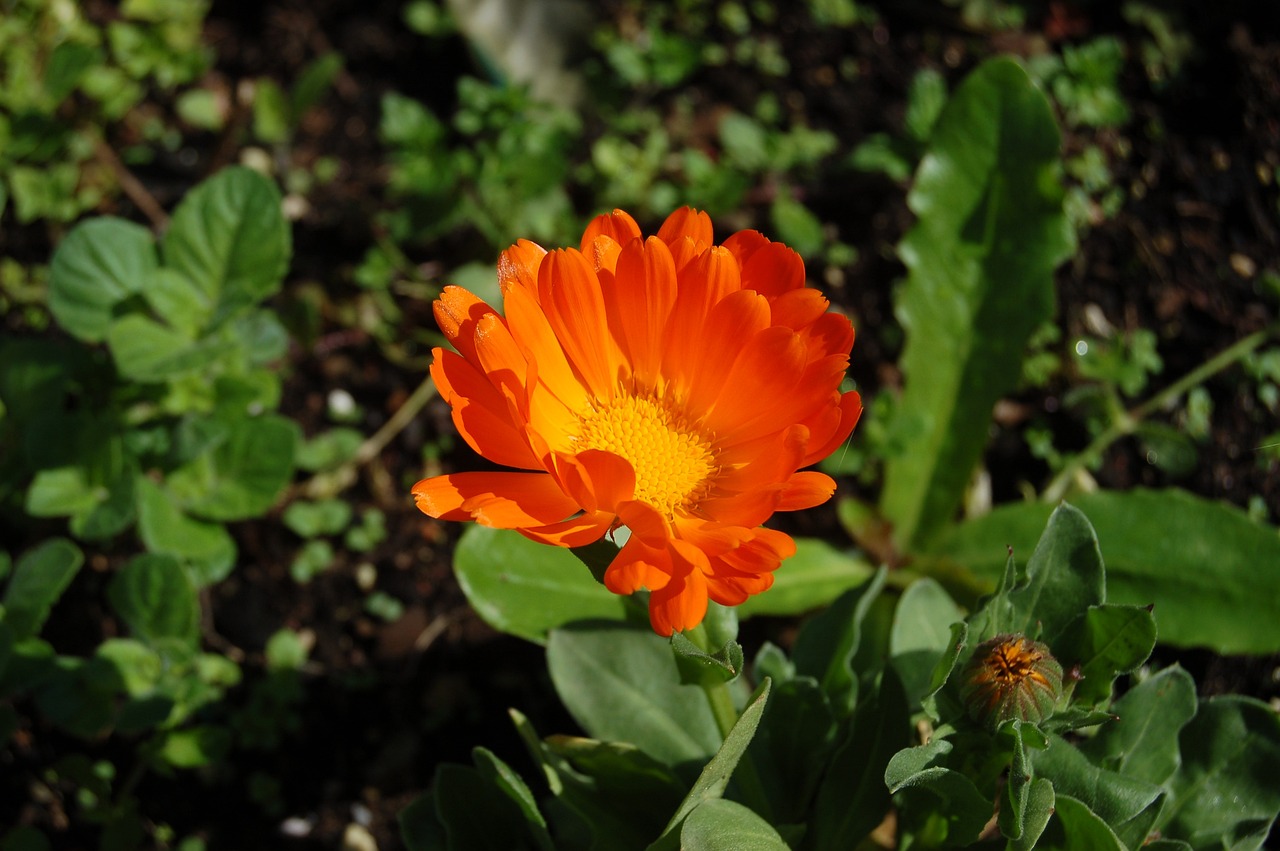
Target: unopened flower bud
<point>1011,676</point>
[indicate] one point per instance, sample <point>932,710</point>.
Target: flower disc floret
<point>668,384</point>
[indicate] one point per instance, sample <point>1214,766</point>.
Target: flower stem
<point>1127,422</point>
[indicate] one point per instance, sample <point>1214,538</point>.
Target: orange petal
<point>744,243</point>
<point>646,523</point>
<point>701,285</point>
<point>503,362</point>
<point>644,292</point>
<point>533,333</point>
<point>738,317</point>
<point>617,226</point>
<point>574,532</point>
<point>638,566</point>
<point>457,312</point>
<point>850,411</point>
<point>501,500</point>
<point>830,333</point>
<point>762,392</point>
<point>480,413</point>
<point>805,490</point>
<point>518,266</point>
<point>681,604</point>
<point>763,463</point>
<point>570,295</point>
<point>596,479</point>
<point>772,270</point>
<point>799,308</point>
<point>687,223</point>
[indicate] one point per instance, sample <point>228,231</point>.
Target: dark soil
<point>382,703</point>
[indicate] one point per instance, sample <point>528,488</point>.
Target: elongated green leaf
<point>1144,745</point>
<point>720,825</point>
<point>101,263</point>
<point>241,474</point>
<point>528,589</point>
<point>827,643</point>
<point>39,579</point>
<point>942,795</point>
<point>853,798</point>
<point>813,577</point>
<point>793,745</point>
<point>621,684</point>
<point>1226,793</point>
<point>990,232</point>
<point>155,597</point>
<point>513,786</point>
<point>475,813</point>
<point>1208,568</point>
<point>229,238</point>
<point>714,778</point>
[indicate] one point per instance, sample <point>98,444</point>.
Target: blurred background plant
<point>221,229</point>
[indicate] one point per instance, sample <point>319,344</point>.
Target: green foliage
<point>173,431</point>
<point>989,234</point>
<point>1158,545</point>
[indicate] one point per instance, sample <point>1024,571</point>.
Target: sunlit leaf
<point>989,233</point>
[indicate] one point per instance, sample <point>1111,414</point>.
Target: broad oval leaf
<point>39,579</point>
<point>165,529</point>
<point>527,589</point>
<point>1208,568</point>
<point>230,238</point>
<point>621,684</point>
<point>990,232</point>
<point>155,597</point>
<point>240,475</point>
<point>1144,744</point>
<point>921,635</point>
<point>101,263</point>
<point>1074,826</point>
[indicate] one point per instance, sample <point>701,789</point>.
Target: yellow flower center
<point>673,460</point>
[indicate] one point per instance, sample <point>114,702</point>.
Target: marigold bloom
<point>669,384</point>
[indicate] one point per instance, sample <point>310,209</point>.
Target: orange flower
<point>669,384</point>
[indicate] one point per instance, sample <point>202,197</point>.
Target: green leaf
<point>720,825</point>
<point>1115,798</point>
<point>1157,544</point>
<point>271,117</point>
<point>475,813</point>
<point>195,747</point>
<point>853,798</point>
<point>144,350</point>
<point>1106,641</point>
<point>827,643</point>
<point>714,778</point>
<point>313,82</point>
<point>100,264</point>
<point>931,793</point>
<point>698,667</point>
<point>810,579</point>
<point>793,745</point>
<point>621,684</point>
<point>324,517</point>
<point>1144,744</point>
<point>796,226</point>
<point>230,238</point>
<point>1037,811</point>
<point>242,473</point>
<point>525,588</point>
<point>155,597</point>
<point>1075,826</point>
<point>921,635</point>
<point>420,829</point>
<point>1226,793</point>
<point>328,449</point>
<point>989,234</point>
<point>513,786</point>
<point>61,492</point>
<point>1064,577</point>
<point>39,579</point>
<point>179,302</point>
<point>165,529</point>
